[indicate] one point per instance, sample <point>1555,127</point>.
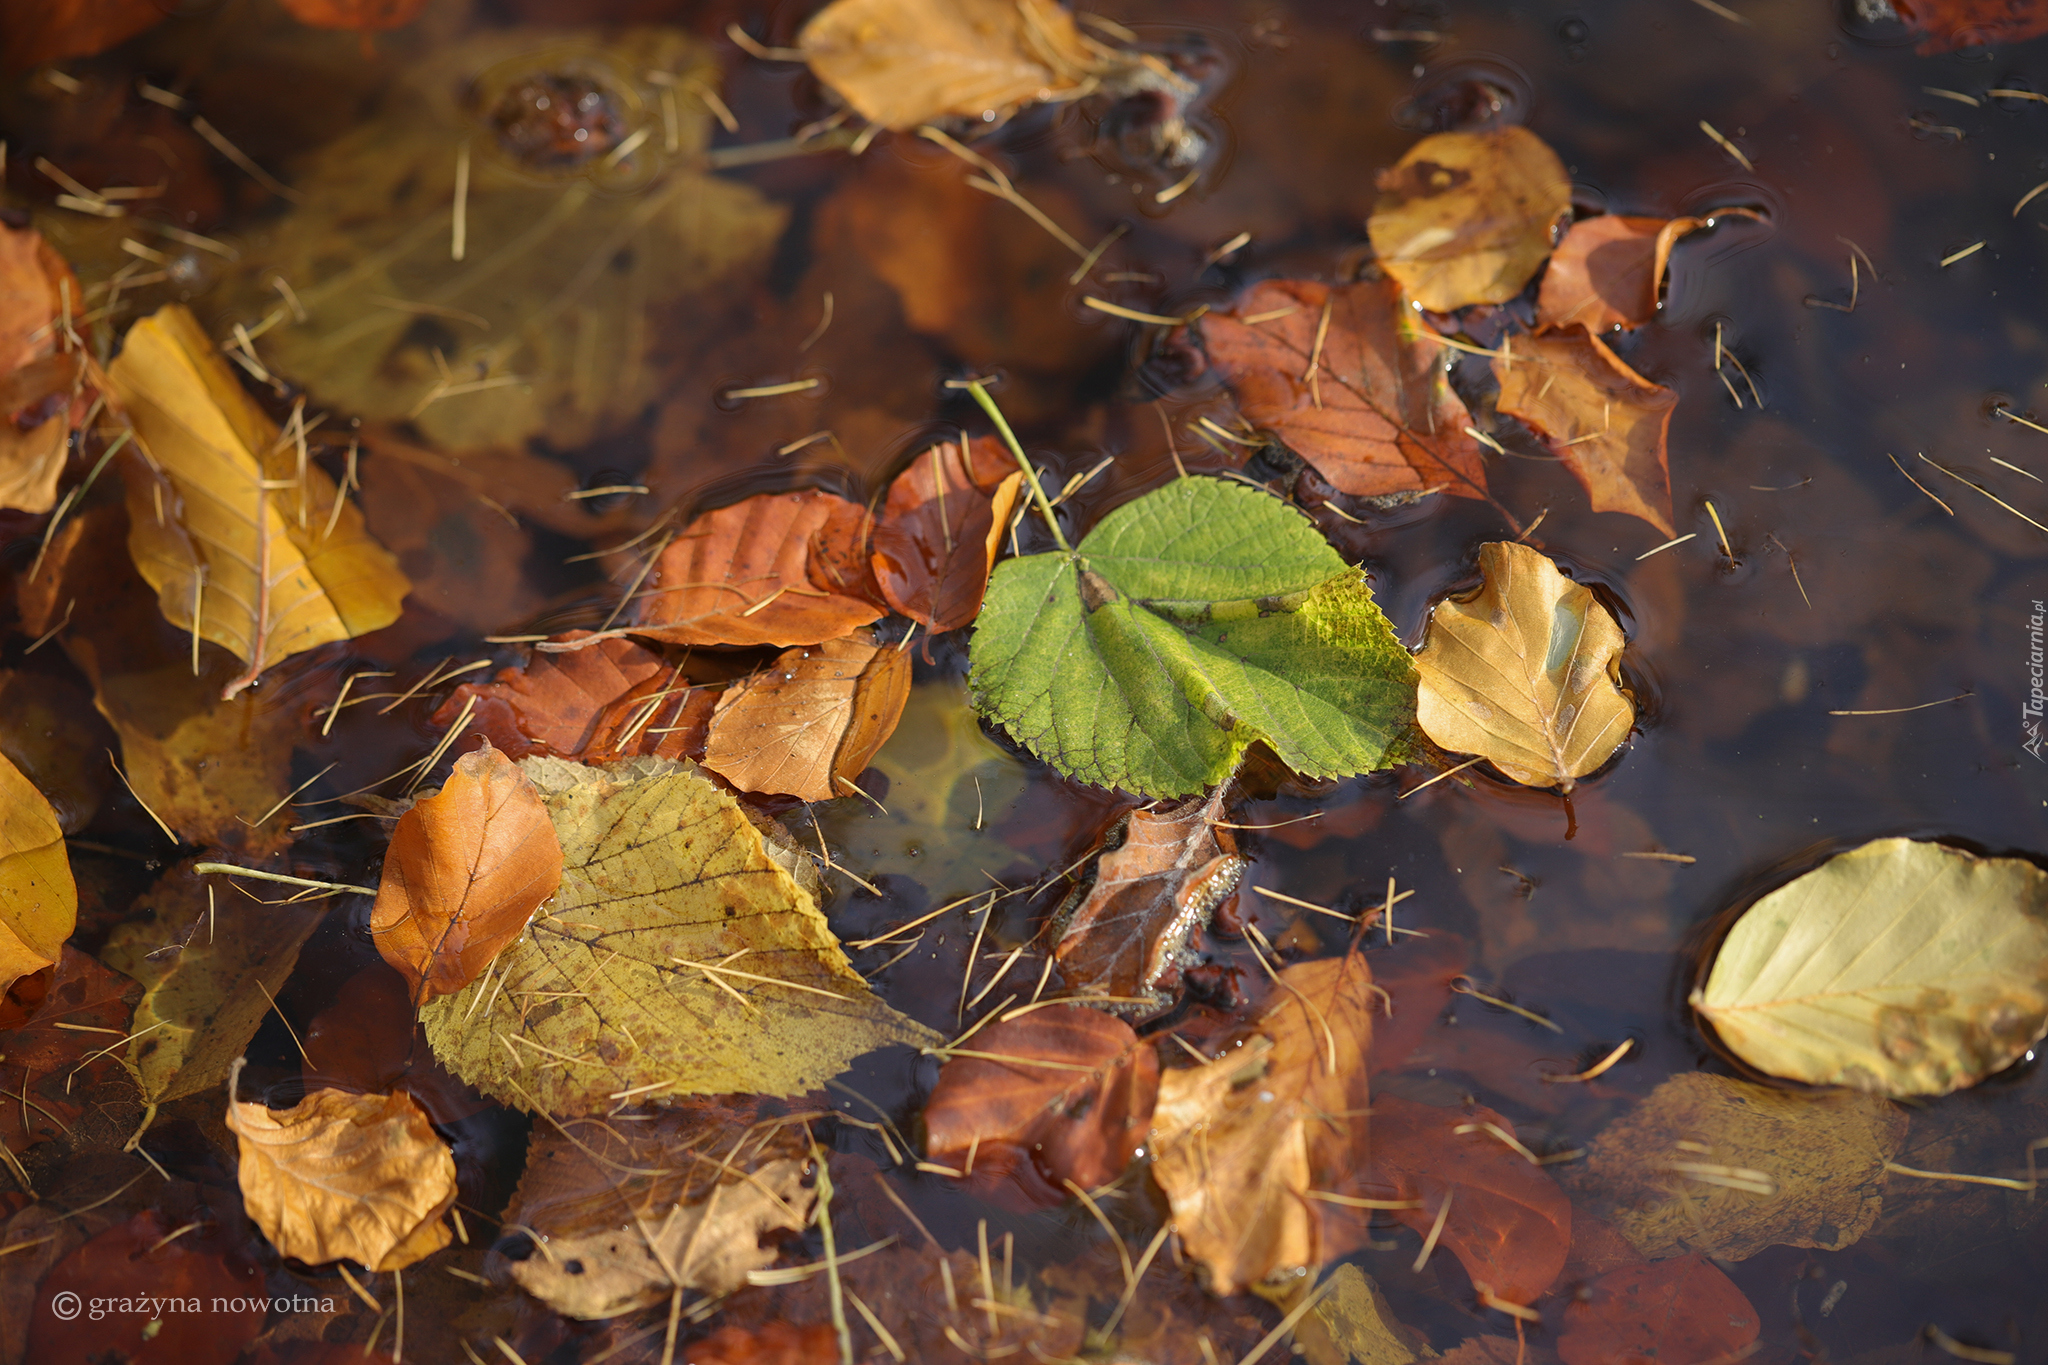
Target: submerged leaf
<point>55,1026</point>
<point>941,528</point>
<point>1607,423</point>
<point>38,899</point>
<point>1678,1312</point>
<point>1467,217</point>
<point>1901,967</point>
<point>808,725</point>
<point>1190,623</point>
<point>1525,672</point>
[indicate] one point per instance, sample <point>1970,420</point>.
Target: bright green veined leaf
<point>1190,623</point>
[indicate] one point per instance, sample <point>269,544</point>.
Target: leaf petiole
<point>988,405</point>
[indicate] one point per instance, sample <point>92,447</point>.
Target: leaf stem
<point>977,387</point>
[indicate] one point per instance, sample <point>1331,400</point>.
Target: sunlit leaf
<point>1607,423</point>
<point>38,900</point>
<point>940,529</point>
<point>1467,217</point>
<point>807,726</point>
<point>1608,270</point>
<point>611,699</point>
<point>44,382</point>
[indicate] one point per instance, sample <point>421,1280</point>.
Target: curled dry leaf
<point>1608,271</point>
<point>1161,876</point>
<point>362,16</point>
<point>900,63</point>
<point>1525,672</point>
<point>743,575</point>
<point>43,379</point>
<point>1348,378</point>
<point>342,1177</point>
<point>1245,1145</point>
<point>253,550</point>
<point>1607,423</point>
<point>1677,1312</point>
<point>38,899</point>
<point>610,699</point>
<point>808,725</point>
<point>1066,1090</point>
<point>465,871</point>
<point>1467,217</point>
<point>941,528</point>
<point>56,1027</point>
<point>1900,967</point>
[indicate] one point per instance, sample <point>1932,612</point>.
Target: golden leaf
<point>1467,217</point>
<point>38,899</point>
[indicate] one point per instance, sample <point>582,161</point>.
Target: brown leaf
<point>1677,1312</point>
<point>1129,937</point>
<point>58,1026</point>
<point>1606,422</point>
<point>842,558</point>
<point>41,379</point>
<point>363,16</point>
<point>1079,1119</point>
<point>52,30</point>
<point>556,704</point>
<point>808,725</point>
<point>341,1177</point>
<point>465,871</point>
<point>1243,1144</point>
<point>1466,217</point>
<point>1606,271</point>
<point>941,529</point>
<point>1378,417</point>
<point>741,576</point>
<point>141,1260</point>
<point>466,559</point>
<point>1970,23</point>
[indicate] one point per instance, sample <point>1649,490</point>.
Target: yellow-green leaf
<point>1901,967</point>
<point>38,899</point>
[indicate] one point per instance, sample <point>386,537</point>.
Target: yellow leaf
<point>1466,217</point>
<point>220,517</point>
<point>1526,672</point>
<point>1901,967</point>
<point>38,900</point>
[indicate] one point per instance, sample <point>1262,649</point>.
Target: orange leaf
<point>1677,1312</point>
<point>941,529</point>
<point>363,16</point>
<point>559,703</point>
<point>1605,273</point>
<point>808,725</point>
<point>1374,413</point>
<point>741,576</point>
<point>1080,1119</point>
<point>1606,422</point>
<point>465,871</point>
<point>1970,23</point>
<point>841,559</point>
<point>39,382</point>
<point>51,30</point>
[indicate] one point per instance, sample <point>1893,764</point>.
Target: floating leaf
<point>42,379</point>
<point>1607,271</point>
<point>1244,1145</point>
<point>141,1263</point>
<point>271,570</point>
<point>941,527</point>
<point>1159,879</point>
<point>1677,1312</point>
<point>1525,672</point>
<point>683,956</point>
<point>808,725</point>
<point>342,1177</point>
<point>1190,623</point>
<point>1348,378</point>
<point>1467,217</point>
<point>1065,1089</point>
<point>362,16</point>
<point>38,899</point>
<point>64,1035</point>
<point>1901,968</point>
<point>466,869</point>
<point>1607,423</point>
<point>610,699</point>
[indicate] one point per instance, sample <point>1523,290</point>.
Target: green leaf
<point>1202,617</point>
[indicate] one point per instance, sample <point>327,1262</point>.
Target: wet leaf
<point>466,560</point>
<point>38,899</point>
<point>466,869</point>
<point>363,16</point>
<point>1607,271</point>
<point>1075,1103</point>
<point>1242,1145</point>
<point>742,575</point>
<point>773,1343</point>
<point>58,742</point>
<point>1900,967</point>
<point>272,571</point>
<point>1951,24</point>
<point>1467,217</point>
<point>1716,1165</point>
<point>1677,1312</point>
<point>900,63</point>
<point>63,1045</point>
<point>1508,1223</point>
<point>584,702</point>
<point>342,1177</point>
<point>1160,882</point>
<point>47,32</point>
<point>1353,1325</point>
<point>139,1259</point>
<point>44,388</point>
<point>1374,413</point>
<point>663,869</point>
<point>1526,672</point>
<point>941,528</point>
<point>1607,423</point>
<point>1189,623</point>
<point>808,725</point>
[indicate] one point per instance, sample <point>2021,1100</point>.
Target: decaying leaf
<point>43,377</point>
<point>1244,1145</point>
<point>465,556</point>
<point>38,899</point>
<point>342,1177</point>
<point>466,869</point>
<point>610,699</point>
<point>363,16</point>
<point>1467,217</point>
<point>1526,672</point>
<point>57,1051</point>
<point>1720,1166</point>
<point>1189,623</point>
<point>624,1213</point>
<point>1348,378</point>
<point>1607,423</point>
<point>1678,1312</point>
<point>1160,877</point>
<point>1352,1324</point>
<point>1065,1089</point>
<point>1900,967</point>
<point>264,570</point>
<point>941,528</point>
<point>808,725</point>
<point>1608,270</point>
<point>743,575</point>
<point>905,62</point>
<point>685,955</point>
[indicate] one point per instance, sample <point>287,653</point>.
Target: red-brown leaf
<point>560,703</point>
<point>61,1066</point>
<point>807,726</point>
<point>941,528</point>
<point>1677,1312</point>
<point>51,30</point>
<point>1971,23</point>
<point>1603,274</point>
<point>1607,423</point>
<point>139,1259</point>
<point>44,389</point>
<point>363,16</point>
